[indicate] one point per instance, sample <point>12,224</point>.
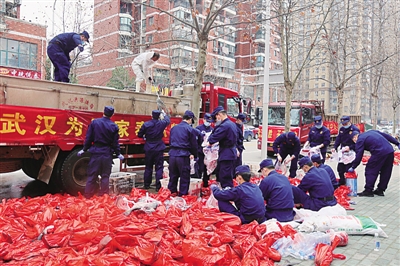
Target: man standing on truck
<point>59,49</point>
<point>152,131</point>
<point>102,141</point>
<point>239,146</point>
<point>203,129</point>
<point>225,132</point>
<point>319,137</point>
<point>141,66</point>
<point>380,162</point>
<point>344,140</point>
<point>288,144</point>
<point>183,148</point>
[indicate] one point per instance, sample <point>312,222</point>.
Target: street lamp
<point>264,135</point>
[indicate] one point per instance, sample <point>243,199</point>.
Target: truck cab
<point>301,120</point>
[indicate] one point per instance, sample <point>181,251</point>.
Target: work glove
<point>150,79</point>
<point>320,146</point>
<point>351,170</point>
<point>80,153</point>
<point>345,149</point>
<point>279,158</point>
<point>121,157</point>
<point>80,47</point>
<point>333,151</point>
<point>213,187</point>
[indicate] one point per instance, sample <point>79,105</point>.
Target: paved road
<point>360,250</point>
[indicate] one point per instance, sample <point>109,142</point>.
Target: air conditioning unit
<point>215,49</point>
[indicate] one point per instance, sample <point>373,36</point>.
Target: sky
<point>42,12</point>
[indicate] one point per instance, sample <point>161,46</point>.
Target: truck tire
<point>31,167</point>
<point>73,172</point>
<point>10,165</point>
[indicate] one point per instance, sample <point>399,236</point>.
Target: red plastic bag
<point>324,253</point>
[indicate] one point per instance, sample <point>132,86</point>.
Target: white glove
<point>320,146</point>
<point>121,157</point>
<point>333,151</point>
<point>80,153</point>
<point>347,148</point>
<point>306,144</point>
<point>279,158</point>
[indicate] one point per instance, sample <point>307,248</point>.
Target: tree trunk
<point>394,122</point>
<point>340,93</point>
<point>198,79</point>
<point>288,106</point>
<point>374,110</point>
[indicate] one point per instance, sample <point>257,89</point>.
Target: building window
<point>125,8</point>
<point>18,54</point>
<point>151,21</point>
<point>125,42</point>
<point>125,24</point>
<point>150,38</point>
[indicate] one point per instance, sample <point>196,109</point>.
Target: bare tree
<point>299,37</point>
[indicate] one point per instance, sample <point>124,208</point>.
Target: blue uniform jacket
<point>331,174</point>
<point>183,140</point>
<point>344,137</point>
<point>240,139</point>
<point>247,197</point>
<point>102,137</point>
<point>153,131</point>
<point>277,191</point>
<point>281,144</point>
<point>203,130</point>
<point>226,135</point>
<point>67,41</point>
<point>319,136</point>
<point>376,142</point>
<point>317,183</point>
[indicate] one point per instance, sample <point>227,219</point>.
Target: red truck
<point>301,120</point>
<point>43,125</point>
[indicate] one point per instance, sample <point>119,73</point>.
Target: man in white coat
<point>141,67</point>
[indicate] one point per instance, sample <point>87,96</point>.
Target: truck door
<point>306,122</point>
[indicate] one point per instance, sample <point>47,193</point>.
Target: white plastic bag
<point>192,163</point>
<point>315,150</point>
<point>212,202</point>
<point>211,157</point>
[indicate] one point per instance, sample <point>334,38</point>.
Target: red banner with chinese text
<point>21,126</point>
<point>21,73</point>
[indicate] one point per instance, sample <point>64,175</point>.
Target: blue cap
<point>86,34</point>
<point>318,120</point>
<point>155,114</point>
<point>189,113</point>
<point>217,110</point>
<point>109,111</point>
<point>291,136</point>
<point>345,119</point>
<point>316,158</point>
<point>208,117</point>
<point>241,116</point>
<point>354,133</point>
<point>303,161</point>
<point>265,163</point>
<point>242,169</point>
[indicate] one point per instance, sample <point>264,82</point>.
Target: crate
<point>194,187</point>
<point>121,183</point>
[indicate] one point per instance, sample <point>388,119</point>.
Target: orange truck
<point>43,125</point>
<point>301,120</point>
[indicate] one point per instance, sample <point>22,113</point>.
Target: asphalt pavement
<point>360,249</point>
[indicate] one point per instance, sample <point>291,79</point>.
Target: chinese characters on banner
<point>29,125</point>
<point>21,73</point>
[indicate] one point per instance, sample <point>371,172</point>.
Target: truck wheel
<point>73,172</point>
<point>31,167</point>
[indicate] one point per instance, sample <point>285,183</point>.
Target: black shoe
<point>378,192</point>
<point>365,194</point>
<point>145,187</point>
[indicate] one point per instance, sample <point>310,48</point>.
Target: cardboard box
<point>121,183</point>
<point>194,187</point>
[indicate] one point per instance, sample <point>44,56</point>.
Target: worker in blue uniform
<point>319,136</point>
<point>317,162</point>
<point>183,148</point>
<point>277,192</point>
<point>346,143</point>
<point>380,162</point>
<point>153,131</point>
<point>225,132</point>
<point>318,184</point>
<point>239,145</point>
<point>203,129</point>
<point>58,51</point>
<point>102,141</point>
<point>247,197</point>
<point>288,144</point>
